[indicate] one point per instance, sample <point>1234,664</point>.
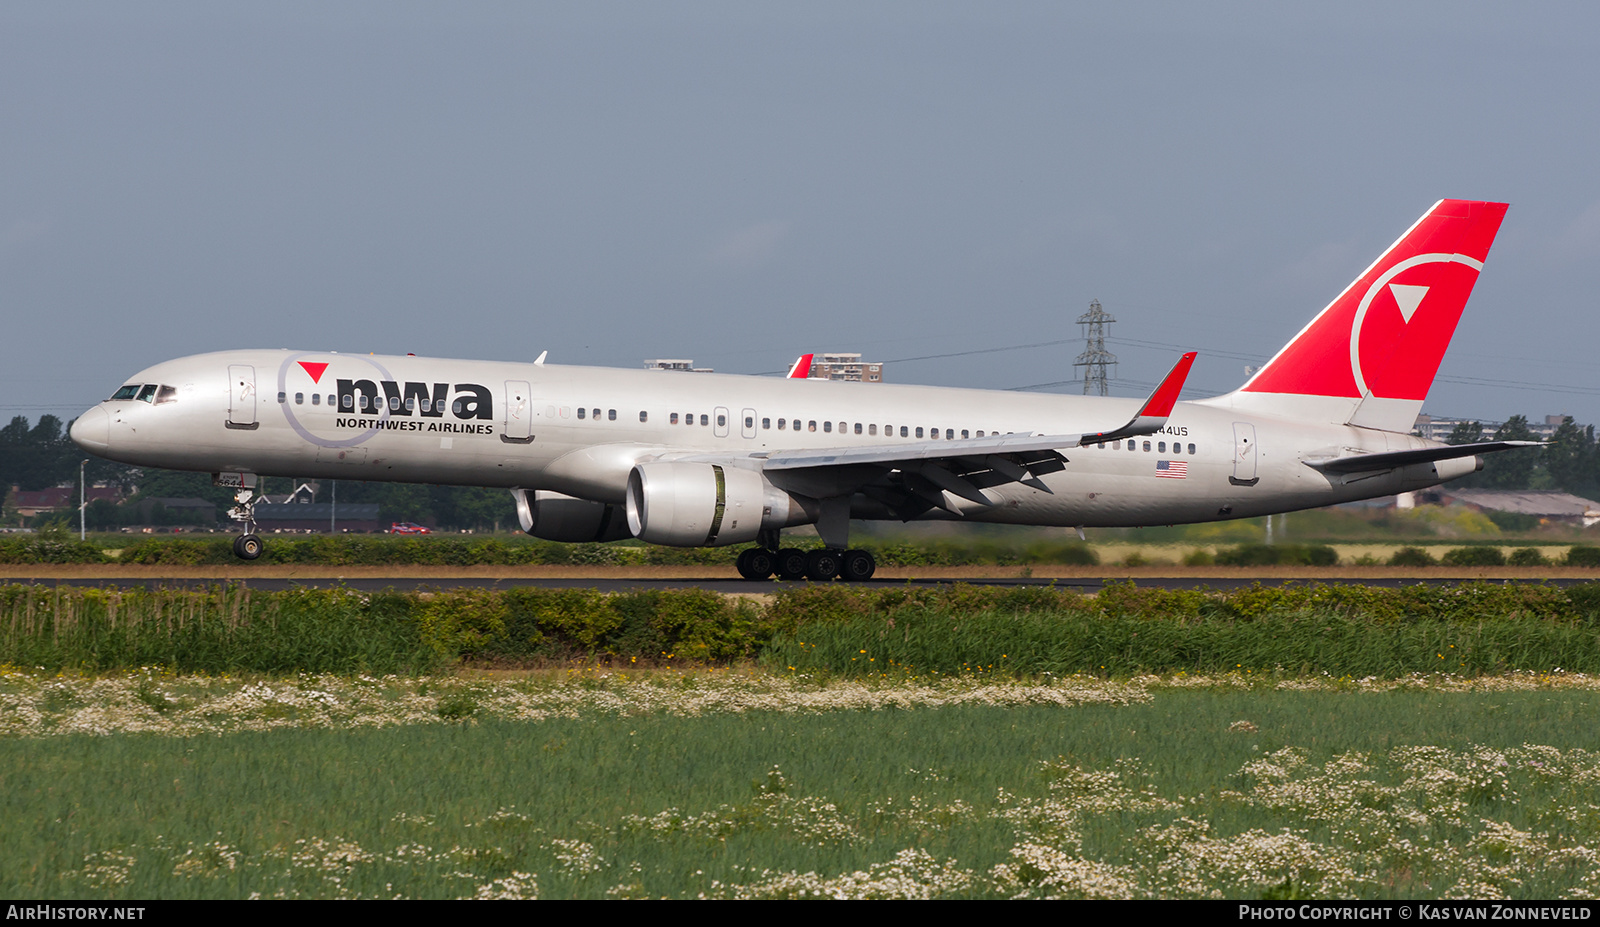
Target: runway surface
<point>728,586</point>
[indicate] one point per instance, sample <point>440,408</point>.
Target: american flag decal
<point>1173,469</point>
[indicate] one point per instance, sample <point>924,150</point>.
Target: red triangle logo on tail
<point>315,370</point>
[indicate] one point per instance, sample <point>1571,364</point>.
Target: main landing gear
<point>819,565</point>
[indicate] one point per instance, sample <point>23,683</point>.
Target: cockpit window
<point>127,392</point>
<point>166,394</point>
<point>147,393</point>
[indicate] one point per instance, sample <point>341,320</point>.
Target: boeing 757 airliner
<point>598,454</point>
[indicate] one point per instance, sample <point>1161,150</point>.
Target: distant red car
<point>408,527</point>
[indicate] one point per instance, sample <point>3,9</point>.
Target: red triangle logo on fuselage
<point>315,370</point>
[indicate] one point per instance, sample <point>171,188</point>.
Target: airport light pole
<point>83,502</point>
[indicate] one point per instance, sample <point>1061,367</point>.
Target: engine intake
<point>555,517</point>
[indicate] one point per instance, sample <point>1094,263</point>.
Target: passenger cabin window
<point>766,424</point>
<point>596,414</point>
<point>811,426</point>
<point>611,415</point>
<point>581,412</point>
<point>872,429</point>
<point>411,402</point>
<point>903,431</point>
<point>1191,450</point>
<point>827,426</point>
<point>299,399</point>
<point>722,420</point>
<point>127,392</point>
<point>282,397</point>
<point>919,431</point>
<point>672,419</point>
<point>332,401</point>
<point>705,419</point>
<point>644,416</point>
<point>749,421</point>
<point>781,422</point>
<point>316,399</point>
<point>858,428</point>
<point>1147,447</point>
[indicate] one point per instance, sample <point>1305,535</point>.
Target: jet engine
<point>1432,473</point>
<point>690,504</point>
<point>555,517</point>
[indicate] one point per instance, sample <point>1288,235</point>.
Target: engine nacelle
<point>688,504</point>
<point>1433,473</point>
<point>555,517</point>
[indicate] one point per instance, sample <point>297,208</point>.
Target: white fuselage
<point>580,431</point>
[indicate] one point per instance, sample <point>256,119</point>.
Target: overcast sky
<point>740,183</point>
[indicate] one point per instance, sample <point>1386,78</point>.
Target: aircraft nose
<point>92,430</point>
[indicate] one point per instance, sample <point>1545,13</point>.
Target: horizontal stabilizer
<point>1360,463</point>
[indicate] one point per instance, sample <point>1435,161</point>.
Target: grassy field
<point>891,742</point>
<point>739,784</point>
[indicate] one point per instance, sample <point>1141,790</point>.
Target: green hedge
<point>947,629</point>
<point>48,549</point>
<point>1354,631</point>
<point>230,629</point>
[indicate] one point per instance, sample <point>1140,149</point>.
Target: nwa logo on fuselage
<point>368,397</point>
<point>364,407</point>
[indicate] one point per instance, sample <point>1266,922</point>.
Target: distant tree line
<point>1570,462</point>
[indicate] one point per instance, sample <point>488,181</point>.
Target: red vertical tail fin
<point>1369,358</point>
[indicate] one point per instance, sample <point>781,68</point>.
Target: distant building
<point>318,516</point>
<point>1551,508</point>
<point>189,510</point>
<point>1436,428</point>
<point>666,363</point>
<point>29,503</point>
<point>848,367</point>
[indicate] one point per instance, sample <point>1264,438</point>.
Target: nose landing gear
<point>249,545</point>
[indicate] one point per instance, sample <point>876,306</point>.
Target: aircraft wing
<point>911,478</point>
<point>1388,460</point>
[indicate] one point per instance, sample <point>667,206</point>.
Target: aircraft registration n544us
<point>595,454</point>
